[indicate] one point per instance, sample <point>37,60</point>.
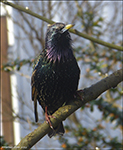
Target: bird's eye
<point>53,29</point>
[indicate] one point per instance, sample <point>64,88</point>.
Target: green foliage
<point>109,111</point>
<point>3,143</point>
<point>16,64</point>
<point>84,138</point>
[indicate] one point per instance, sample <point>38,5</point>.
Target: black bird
<point>56,74</point>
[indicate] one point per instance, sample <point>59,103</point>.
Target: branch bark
<point>88,94</point>
<point>28,11</point>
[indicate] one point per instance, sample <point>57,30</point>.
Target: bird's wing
<point>33,84</point>
<point>38,62</point>
<point>34,95</point>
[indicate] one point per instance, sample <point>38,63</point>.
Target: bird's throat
<point>59,53</point>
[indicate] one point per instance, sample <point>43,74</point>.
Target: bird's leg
<point>47,117</point>
<point>77,94</point>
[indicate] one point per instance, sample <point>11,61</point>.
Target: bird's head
<point>58,40</point>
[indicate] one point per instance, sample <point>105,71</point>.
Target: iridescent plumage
<point>56,73</point>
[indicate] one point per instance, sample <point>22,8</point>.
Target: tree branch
<point>88,94</point>
<point>28,11</point>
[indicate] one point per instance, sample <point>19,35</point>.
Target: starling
<point>55,75</point>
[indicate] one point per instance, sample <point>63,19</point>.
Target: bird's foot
<point>77,94</point>
<point>47,117</point>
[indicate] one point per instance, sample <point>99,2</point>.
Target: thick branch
<point>28,11</point>
<point>62,113</point>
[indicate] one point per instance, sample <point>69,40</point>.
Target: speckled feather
<point>56,73</point>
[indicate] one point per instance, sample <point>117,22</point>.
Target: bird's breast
<point>57,83</point>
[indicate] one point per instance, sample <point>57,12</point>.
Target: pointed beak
<point>67,27</point>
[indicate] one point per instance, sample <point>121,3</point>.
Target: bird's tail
<point>57,130</point>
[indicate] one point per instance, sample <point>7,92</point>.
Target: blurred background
<point>98,124</point>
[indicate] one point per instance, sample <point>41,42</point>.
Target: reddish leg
<point>47,117</point>
<point>77,94</point>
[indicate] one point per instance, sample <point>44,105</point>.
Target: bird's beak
<point>67,27</point>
